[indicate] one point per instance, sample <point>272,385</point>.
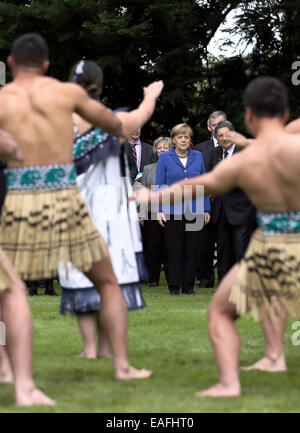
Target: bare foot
<point>87,355</point>
<point>6,377</point>
<point>267,364</point>
<point>105,355</point>
<point>220,390</point>
<point>33,397</point>
<point>133,373</point>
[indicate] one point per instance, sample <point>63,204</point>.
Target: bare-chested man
<point>44,220</point>
<point>267,281</point>
<point>273,326</point>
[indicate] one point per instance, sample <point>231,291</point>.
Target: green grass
<point>170,337</point>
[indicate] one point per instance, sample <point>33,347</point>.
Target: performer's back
<point>38,112</point>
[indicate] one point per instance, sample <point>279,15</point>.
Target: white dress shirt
<point>216,144</point>
<point>230,151</point>
<point>183,161</point>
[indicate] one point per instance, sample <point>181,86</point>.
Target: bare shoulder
<point>61,87</point>
<point>287,145</point>
<point>6,93</point>
<point>39,83</point>
<point>293,127</point>
<point>8,89</point>
<point>291,139</point>
<point>74,94</point>
<point>74,89</point>
<point>46,82</point>
<point>68,89</point>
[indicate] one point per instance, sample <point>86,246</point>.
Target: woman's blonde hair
<point>179,128</point>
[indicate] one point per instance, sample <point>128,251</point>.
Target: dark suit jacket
<point>238,208</point>
<point>207,149</point>
<point>147,157</point>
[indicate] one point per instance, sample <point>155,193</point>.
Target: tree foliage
<point>138,41</point>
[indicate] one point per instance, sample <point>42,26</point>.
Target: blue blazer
<point>170,170</point>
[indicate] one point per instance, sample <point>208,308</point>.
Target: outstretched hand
<point>154,89</point>
<point>17,156</point>
<point>237,138</point>
<point>141,196</point>
<point>9,148</point>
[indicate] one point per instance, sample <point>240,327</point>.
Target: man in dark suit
<point>139,154</point>
<point>207,236</point>
<point>232,214</point>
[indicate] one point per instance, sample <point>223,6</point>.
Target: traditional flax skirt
<point>45,222</point>
<point>269,274</point>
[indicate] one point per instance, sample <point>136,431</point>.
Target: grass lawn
<point>170,337</point>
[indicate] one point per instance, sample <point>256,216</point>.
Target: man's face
<point>135,134</point>
<point>226,144</point>
<point>213,123</point>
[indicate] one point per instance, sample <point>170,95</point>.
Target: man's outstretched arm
<point>223,178</point>
<point>119,124</point>
<point>238,139</point>
<point>137,118</point>
<point>94,112</point>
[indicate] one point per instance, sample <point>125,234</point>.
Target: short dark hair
<point>266,97</point>
<point>88,75</point>
<point>30,50</point>
<point>224,124</point>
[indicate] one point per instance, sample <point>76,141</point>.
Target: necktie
<point>134,152</point>
<point>226,153</point>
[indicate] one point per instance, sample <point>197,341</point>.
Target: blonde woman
<point>181,162</point>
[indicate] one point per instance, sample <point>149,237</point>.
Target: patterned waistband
<point>41,177</point>
<point>280,222</point>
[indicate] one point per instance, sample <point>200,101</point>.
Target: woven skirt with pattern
<point>269,275</point>
<point>41,228</point>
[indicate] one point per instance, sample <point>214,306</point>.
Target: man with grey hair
<point>207,147</point>
<point>207,236</point>
<point>232,215</point>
